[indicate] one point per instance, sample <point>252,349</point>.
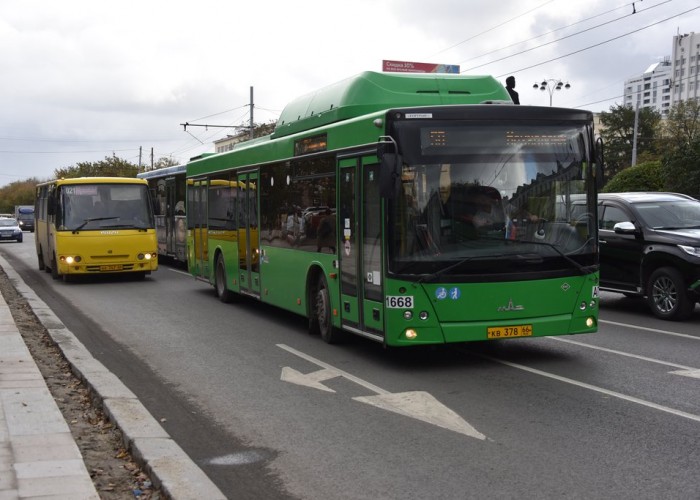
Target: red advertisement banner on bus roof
<point>417,67</point>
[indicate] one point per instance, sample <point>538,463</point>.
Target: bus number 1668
<point>399,302</point>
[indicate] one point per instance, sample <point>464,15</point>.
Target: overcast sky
<point>85,79</point>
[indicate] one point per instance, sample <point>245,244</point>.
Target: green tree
<point>681,169</point>
<point>164,162</point>
<point>682,127</point>
<point>17,193</point>
<point>618,136</point>
<point>111,166</point>
<point>646,176</point>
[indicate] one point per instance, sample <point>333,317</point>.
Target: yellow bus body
<point>120,239</point>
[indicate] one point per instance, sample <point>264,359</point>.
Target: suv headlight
<point>694,251</point>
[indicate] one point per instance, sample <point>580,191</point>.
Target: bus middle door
<point>248,234</point>
<point>362,304</point>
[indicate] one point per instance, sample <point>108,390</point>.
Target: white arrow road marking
<point>416,404</point>
<point>312,379</point>
<point>422,406</point>
<point>685,371</point>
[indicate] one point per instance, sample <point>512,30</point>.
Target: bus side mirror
<point>389,175</point>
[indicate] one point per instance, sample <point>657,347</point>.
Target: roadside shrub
<point>646,176</point>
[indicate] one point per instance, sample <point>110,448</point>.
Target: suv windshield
<point>496,199</point>
<point>676,214</point>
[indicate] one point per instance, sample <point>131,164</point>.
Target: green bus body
<point>356,213</point>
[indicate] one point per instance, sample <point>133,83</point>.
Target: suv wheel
<point>667,295</point>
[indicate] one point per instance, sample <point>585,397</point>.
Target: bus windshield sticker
<point>410,116</point>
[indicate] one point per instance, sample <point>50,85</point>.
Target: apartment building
<point>686,67</point>
<point>651,89</point>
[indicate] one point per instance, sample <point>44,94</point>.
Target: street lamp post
<point>551,85</point>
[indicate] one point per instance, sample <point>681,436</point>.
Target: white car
<point>10,230</point>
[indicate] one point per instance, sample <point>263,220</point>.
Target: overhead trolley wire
<point>564,37</point>
<point>548,33</point>
<point>494,27</point>
<point>598,44</point>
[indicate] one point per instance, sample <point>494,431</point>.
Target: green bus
<point>410,209</point>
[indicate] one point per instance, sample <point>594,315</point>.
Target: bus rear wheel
<point>224,294</point>
<point>320,315</point>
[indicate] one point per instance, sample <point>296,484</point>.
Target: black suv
<point>650,247</point>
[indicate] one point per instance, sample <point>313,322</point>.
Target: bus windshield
<point>84,207</point>
<point>488,201</point>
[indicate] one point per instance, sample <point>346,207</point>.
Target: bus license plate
<point>506,332</point>
<point>111,267</point>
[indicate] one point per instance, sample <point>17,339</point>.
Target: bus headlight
<point>411,334</point>
<point>145,256</point>
<point>69,259</point>
<point>590,322</point>
<point>407,314</point>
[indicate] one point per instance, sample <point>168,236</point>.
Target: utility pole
<point>634,137</point>
<point>251,112</point>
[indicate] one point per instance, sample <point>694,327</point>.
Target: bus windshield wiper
<point>91,220</point>
<point>457,264</point>
<point>582,269</point>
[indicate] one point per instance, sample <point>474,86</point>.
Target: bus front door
<point>248,234</point>
<point>359,208</point>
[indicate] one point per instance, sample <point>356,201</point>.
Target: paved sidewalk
<point>38,455</point>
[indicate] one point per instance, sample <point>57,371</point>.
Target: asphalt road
<point>270,412</point>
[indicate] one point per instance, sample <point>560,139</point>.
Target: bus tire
<point>40,258</point>
<point>223,293</point>
<point>320,320</point>
<point>54,269</point>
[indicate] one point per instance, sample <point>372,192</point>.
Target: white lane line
<point>601,390</point>
<point>655,330</point>
<point>622,353</point>
<point>184,273</point>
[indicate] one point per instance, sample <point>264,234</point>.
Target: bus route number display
<point>507,332</point>
<point>399,302</point>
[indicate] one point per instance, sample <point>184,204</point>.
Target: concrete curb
<point>170,468</point>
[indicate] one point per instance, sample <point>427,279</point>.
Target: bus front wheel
<point>225,295</point>
<point>320,315</point>
<point>54,269</point>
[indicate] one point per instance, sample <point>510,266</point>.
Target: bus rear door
<point>362,307</point>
